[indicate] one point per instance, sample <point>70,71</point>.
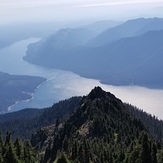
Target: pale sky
<point>72,10</point>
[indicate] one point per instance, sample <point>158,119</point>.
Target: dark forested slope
<point>27,121</point>
<point>101,130</point>
<point>15,88</point>
<point>96,128</point>
<point>16,151</point>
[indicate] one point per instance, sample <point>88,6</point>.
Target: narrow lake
<point>64,84</point>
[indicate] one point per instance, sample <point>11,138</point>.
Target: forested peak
<point>98,92</point>
<point>101,129</point>
<point>98,103</point>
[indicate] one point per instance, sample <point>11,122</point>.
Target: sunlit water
<point>64,84</point>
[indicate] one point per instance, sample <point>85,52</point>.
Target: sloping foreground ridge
<point>101,130</point>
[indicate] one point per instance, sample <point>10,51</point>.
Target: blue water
<point>64,84</point>
<point>59,85</point>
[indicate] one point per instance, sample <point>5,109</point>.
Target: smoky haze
<point>76,10</point>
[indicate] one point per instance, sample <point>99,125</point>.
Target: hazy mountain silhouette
<point>101,26</point>
<point>129,60</point>
<point>127,29</point>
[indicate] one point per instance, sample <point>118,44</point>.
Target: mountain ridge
<point>129,28</point>
<point>101,126</point>
<point>123,62</point>
<point>26,122</point>
<point>97,127</point>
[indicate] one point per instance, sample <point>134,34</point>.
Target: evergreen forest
<point>97,128</point>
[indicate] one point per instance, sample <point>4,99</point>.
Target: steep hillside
<point>96,128</point>
<point>63,39</point>
<point>26,122</point>
<point>101,130</point>
<point>135,60</point>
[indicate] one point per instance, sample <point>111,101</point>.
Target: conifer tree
<point>29,155</point>
<point>62,159</point>
<point>19,149</point>
<point>145,153</point>
<point>1,147</point>
<point>11,156</point>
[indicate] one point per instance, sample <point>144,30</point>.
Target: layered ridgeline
<point>130,53</point>
<point>23,31</point>
<point>98,128</point>
<point>102,130</point>
<point>15,88</point>
<point>129,28</point>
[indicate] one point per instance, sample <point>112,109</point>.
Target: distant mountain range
<point>127,29</point>
<point>130,53</point>
<point>101,26</point>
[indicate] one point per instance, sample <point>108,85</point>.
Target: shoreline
<point>63,86</point>
<point>9,109</point>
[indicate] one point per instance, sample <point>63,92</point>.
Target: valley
<point>81,81</point>
<point>61,84</point>
<point>129,53</point>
